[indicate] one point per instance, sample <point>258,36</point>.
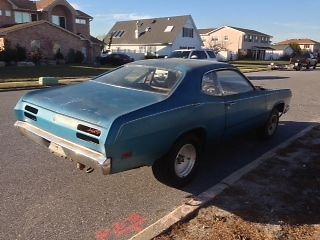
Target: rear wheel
<point>315,66</point>
<point>179,166</point>
<point>269,129</point>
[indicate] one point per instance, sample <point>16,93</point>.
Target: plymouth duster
<point>157,113</point>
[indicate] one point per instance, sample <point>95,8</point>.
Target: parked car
<point>306,60</point>
<point>194,54</point>
<point>116,59</point>
<point>157,113</point>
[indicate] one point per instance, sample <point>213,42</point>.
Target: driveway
<point>44,197</point>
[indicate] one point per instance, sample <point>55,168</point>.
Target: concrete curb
<point>188,208</point>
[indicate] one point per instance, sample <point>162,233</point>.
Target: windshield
<point>145,78</point>
<point>179,54</point>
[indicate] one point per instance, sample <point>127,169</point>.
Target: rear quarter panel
<point>276,97</point>
<point>148,134</point>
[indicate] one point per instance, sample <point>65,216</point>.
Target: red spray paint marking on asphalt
<point>134,223</point>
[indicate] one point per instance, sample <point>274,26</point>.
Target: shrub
<point>79,57</point>
<point>13,54</point>
<point>71,56</point>
<point>35,56</point>
<point>21,53</point>
<point>58,55</point>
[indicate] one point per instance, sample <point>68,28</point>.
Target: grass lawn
<point>258,62</point>
<point>22,74</point>
<point>11,74</point>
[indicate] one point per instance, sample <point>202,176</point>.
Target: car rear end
<point>64,136</point>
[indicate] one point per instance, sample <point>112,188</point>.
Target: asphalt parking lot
<point>44,197</point>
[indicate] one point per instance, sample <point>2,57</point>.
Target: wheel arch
<point>199,132</point>
<point>280,106</point>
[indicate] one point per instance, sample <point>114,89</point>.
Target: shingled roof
<point>42,5</point>
<point>249,31</point>
<point>151,31</point>
<point>24,4</point>
<point>300,41</point>
<point>280,46</point>
<point>82,14</point>
<point>206,30</point>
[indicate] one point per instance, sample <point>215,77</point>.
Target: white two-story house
<point>239,42</point>
<point>155,37</point>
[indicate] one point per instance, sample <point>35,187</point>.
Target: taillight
<point>92,131</point>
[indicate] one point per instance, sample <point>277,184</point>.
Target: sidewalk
<point>279,200</point>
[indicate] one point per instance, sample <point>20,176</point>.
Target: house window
<point>60,21</point>
<point>307,46</point>
<point>35,45</point>
<point>22,17</point>
<point>215,39</point>
<point>256,38</point>
<point>81,21</point>
<point>187,32</point>
<point>8,13</point>
<point>0,12</point>
<point>226,38</point>
<point>34,17</point>
<point>168,29</point>
<point>1,44</point>
<point>118,34</point>
<point>142,49</point>
<point>56,48</point>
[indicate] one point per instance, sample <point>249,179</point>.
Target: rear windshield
<point>145,78</point>
<point>179,54</point>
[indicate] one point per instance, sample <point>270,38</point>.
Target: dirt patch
<point>278,200</point>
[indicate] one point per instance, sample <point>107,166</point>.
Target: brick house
<point>237,41</point>
<point>48,25</point>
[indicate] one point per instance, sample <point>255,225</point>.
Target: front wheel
<point>269,129</point>
<point>315,66</point>
<point>179,166</point>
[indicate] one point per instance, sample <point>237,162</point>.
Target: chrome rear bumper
<point>66,149</point>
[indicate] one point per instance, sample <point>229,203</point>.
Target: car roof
<point>182,64</point>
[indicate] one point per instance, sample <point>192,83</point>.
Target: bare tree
<point>216,45</point>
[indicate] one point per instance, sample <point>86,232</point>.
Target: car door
<point>213,108</point>
<point>245,107</point>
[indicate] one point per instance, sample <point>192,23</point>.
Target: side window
<point>232,82</point>
<point>211,54</point>
<point>210,84</point>
<point>199,54</point>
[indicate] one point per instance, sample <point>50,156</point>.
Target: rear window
<point>145,78</point>
<point>179,54</point>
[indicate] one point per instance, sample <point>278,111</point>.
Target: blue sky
<point>281,19</point>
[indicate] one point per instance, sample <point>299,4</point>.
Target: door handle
<point>229,104</point>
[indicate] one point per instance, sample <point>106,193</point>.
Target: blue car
<point>157,113</point>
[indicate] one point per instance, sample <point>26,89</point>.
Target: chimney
<point>136,32</point>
